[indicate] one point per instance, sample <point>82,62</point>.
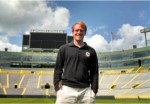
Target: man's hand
<point>55,93</point>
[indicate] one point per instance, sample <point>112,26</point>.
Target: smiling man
<point>76,70</point>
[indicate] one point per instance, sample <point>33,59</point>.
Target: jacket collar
<point>71,44</point>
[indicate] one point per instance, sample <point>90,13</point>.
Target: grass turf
<point>52,101</point>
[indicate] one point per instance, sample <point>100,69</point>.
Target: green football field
<point>52,101</point>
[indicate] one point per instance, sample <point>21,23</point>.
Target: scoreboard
<point>47,40</point>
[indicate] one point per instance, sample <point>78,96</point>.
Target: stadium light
<point>145,30</point>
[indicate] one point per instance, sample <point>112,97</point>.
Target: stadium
<point>29,74</point>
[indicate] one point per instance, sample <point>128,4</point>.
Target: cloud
<point>92,30</point>
<point>98,42</point>
<point>4,42</point>
<point>19,16</point>
<point>129,36</point>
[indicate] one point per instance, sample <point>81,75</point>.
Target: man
<point>76,70</point>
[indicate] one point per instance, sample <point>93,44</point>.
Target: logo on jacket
<point>87,54</point>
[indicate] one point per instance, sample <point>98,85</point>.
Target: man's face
<point>78,32</point>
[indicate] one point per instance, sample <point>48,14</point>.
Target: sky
<point>121,19</point>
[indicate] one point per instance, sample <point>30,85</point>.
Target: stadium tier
<point>124,59</point>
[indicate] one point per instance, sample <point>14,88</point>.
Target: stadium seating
<point>111,83</point>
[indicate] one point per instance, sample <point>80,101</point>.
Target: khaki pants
<point>69,95</point>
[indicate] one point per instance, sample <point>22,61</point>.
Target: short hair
<point>82,24</point>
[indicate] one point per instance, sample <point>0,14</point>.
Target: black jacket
<point>76,67</point>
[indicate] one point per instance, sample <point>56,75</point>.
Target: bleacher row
<point>14,82</point>
<point>111,83</point>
